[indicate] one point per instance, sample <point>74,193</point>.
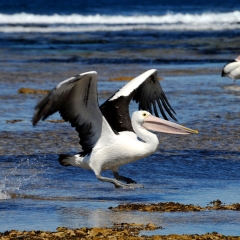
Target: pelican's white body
<point>232,69</point>
<point>116,150</point>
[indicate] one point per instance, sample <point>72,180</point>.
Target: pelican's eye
<point>144,114</point>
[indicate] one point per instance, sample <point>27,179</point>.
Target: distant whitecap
<point>27,22</point>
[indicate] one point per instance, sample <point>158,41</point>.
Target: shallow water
<point>38,193</point>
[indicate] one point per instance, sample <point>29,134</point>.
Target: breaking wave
<point>26,22</point>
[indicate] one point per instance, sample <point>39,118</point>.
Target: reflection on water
<point>43,191</point>
<point>234,87</point>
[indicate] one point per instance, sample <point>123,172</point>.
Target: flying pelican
<point>232,69</point>
<point>108,137</point>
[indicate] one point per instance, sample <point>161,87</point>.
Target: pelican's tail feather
<point>223,73</point>
<point>65,159</point>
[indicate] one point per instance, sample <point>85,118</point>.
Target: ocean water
<point>43,43</point>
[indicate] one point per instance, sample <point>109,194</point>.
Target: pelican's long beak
<point>160,125</point>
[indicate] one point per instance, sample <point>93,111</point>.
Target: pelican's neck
<point>150,139</point>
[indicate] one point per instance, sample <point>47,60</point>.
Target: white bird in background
<point>108,137</point>
<point>232,69</point>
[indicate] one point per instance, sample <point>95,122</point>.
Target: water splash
<point>19,176</point>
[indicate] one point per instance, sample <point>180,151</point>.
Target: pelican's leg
<point>117,183</point>
<point>120,177</point>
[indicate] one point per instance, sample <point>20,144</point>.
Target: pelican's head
<point>152,123</point>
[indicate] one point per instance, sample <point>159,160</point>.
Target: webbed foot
<point>132,186</point>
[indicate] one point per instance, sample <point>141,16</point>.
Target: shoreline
<point>136,231</point>
<point>119,232</point>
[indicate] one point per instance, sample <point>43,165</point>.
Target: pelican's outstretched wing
<point>145,90</point>
<point>77,102</point>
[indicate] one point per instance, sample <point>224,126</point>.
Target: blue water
<point>116,7</point>
<point>45,42</point>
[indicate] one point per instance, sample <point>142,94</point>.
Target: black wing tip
<point>174,118</point>
<point>171,114</point>
<point>34,123</point>
<point>35,119</point>
<point>163,104</point>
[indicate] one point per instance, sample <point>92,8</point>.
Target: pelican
<point>109,138</point>
<point>232,69</point>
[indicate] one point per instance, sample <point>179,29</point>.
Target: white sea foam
<point>24,22</point>
<point>3,194</point>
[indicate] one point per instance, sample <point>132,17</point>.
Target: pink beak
<point>160,125</point>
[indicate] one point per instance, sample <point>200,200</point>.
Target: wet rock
<point>125,78</point>
<point>175,207</point>
<point>121,78</point>
<point>61,229</point>
<point>124,225</point>
<point>70,233</point>
<point>216,202</point>
<point>58,234</point>
<point>80,232</point>
<point>14,121</point>
<point>107,233</point>
<point>151,226</point>
<point>43,235</point>
<point>32,91</point>
<point>32,233</point>
<point>158,207</point>
<point>55,121</point>
<point>95,232</point>
<point>236,206</point>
